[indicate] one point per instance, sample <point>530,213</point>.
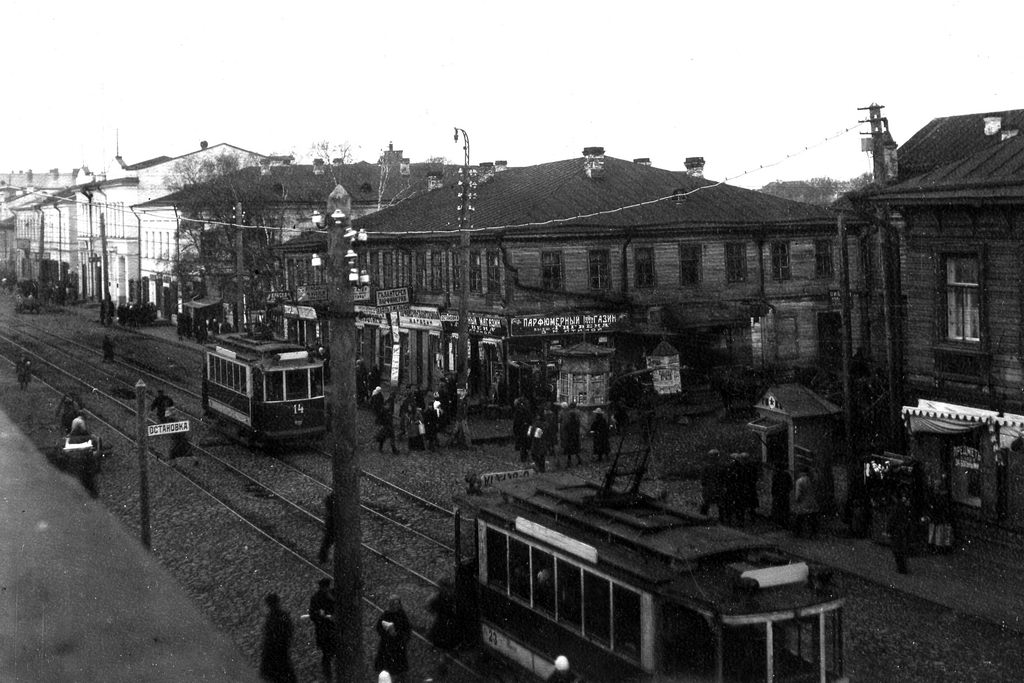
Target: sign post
<point>140,412</point>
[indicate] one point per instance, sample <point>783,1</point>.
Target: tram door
<point>687,644</point>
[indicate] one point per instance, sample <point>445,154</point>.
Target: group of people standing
<point>730,484</point>
<point>554,430</point>
<point>201,330</point>
<point>420,418</point>
<point>393,628</point>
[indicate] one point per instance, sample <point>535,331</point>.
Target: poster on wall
<point>665,373</point>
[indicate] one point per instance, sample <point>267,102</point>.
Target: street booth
<point>798,428</point>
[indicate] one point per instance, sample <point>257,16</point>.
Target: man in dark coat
<point>711,483</point>
<point>108,349</point>
<point>900,527</point>
<point>599,428</point>
<point>520,425</point>
<point>569,426</point>
<point>444,631</point>
<point>24,372</point>
<point>394,630</point>
<point>321,613</point>
<point>361,378</point>
<point>385,419</point>
<point>538,444</point>
<point>431,424</point>
<point>328,539</point>
<point>160,405</point>
<point>275,660</point>
<point>782,488</point>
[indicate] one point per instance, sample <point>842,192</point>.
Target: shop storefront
<point>373,338</point>
<point>532,339</point>
<point>487,369</point>
<point>301,324</point>
<point>972,457</point>
<point>419,331</point>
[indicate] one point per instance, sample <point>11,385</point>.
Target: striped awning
<point>936,417</point>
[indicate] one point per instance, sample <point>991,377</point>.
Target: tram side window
<point>570,594</point>
<point>543,581</point>
<point>275,386</point>
<point>296,384</point>
<point>257,385</point>
<point>597,605</point>
<point>519,569</point>
<point>626,638</point>
<point>316,378</point>
<point>497,559</point>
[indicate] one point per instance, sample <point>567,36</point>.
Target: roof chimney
<point>1007,133</point>
<point>318,166</point>
<point>435,180</point>
<point>593,161</point>
<point>993,124</point>
<point>403,167</point>
<point>55,173</point>
<point>338,161</point>
<point>30,175</point>
<point>643,161</point>
<point>695,166</point>
<point>204,144</point>
<point>500,166</point>
<point>486,170</point>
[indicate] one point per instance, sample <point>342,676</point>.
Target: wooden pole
<point>847,338</point>
<point>344,458</point>
<point>239,269</point>
<point>140,416</point>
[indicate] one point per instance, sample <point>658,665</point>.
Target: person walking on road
<point>599,428</point>
<point>23,370</point>
<point>161,404</point>
<point>444,631</point>
<point>66,412</point>
<point>900,527</point>
<point>275,658</point>
<point>538,444</point>
<point>805,507</point>
<point>108,349</point>
<point>782,488</point>
<point>394,630</point>
<point>328,538</point>
<point>569,428</point>
<point>520,425</point>
<point>321,613</point>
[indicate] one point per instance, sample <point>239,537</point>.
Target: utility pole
<point>847,339</point>
<point>140,445</point>
<point>467,193</point>
<point>344,459</point>
<point>105,306</point>
<point>239,269</point>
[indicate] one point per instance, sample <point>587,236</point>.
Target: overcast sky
<point>743,84</point>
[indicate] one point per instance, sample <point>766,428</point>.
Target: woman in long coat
<point>275,661</point>
<point>520,426</point>
<point>394,630</point>
<point>599,428</point>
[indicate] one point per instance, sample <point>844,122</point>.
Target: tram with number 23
<point>635,590</point>
<point>271,391</point>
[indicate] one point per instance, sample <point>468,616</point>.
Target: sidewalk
<point>957,580</point>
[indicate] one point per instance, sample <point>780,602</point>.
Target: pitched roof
<point>560,193</point>
<point>996,171</point>
<point>949,138</point>
<point>302,184</point>
<point>155,161</point>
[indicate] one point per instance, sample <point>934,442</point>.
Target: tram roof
<point>686,556</point>
<point>252,348</point>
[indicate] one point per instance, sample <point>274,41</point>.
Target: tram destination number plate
<point>167,428</point>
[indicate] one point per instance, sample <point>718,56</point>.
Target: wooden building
<point>956,218</point>
<point>598,250</point>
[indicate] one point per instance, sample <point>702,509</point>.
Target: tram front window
<point>795,653</point>
<point>316,379</point>
<point>275,386</point>
<point>296,384</point>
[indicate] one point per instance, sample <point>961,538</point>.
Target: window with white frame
<point>963,299</point>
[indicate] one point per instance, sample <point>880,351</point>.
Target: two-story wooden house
<point>957,217</point>
<point>600,250</point>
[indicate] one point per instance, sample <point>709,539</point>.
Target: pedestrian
<point>444,631</point>
<point>805,505</point>
<point>377,402</point>
<point>275,660</point>
<point>66,412</point>
<point>569,428</point>
<point>461,438</point>
<point>361,377</point>
<point>108,349</point>
<point>539,444</point>
<point>940,531</point>
<point>394,630</point>
<point>416,430</point>
<point>750,473</point>
<point>561,674</point>
<point>386,425</point>
<point>782,488</point>
<point>431,421</point>
<point>328,538</point>
<point>711,483</point>
<point>900,528</point>
<point>324,352</point>
<point>161,404</point>
<point>520,425</point>
<point>321,613</point>
<point>599,428</point>
<point>730,495</point>
<point>23,370</point>
<point>550,434</point>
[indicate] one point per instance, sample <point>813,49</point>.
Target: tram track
<point>268,494</point>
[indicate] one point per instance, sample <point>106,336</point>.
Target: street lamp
<point>467,193</point>
<point>343,275</point>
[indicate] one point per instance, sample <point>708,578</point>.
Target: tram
<point>271,391</point>
<point>635,590</point>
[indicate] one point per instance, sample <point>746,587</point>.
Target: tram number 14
<point>298,408</point>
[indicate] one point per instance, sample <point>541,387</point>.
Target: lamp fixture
<point>318,219</point>
<point>316,261</point>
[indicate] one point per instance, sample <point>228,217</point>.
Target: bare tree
<point>330,152</point>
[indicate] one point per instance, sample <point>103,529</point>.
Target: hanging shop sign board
<point>361,293</point>
<point>420,317</point>
<point>568,323</point>
<point>392,299</point>
<point>311,293</point>
<point>966,457</point>
<point>478,323</point>
<point>396,348</point>
<point>282,295</point>
<point>300,312</point>
<point>369,315</point>
<point>492,478</point>
<point>665,373</point>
